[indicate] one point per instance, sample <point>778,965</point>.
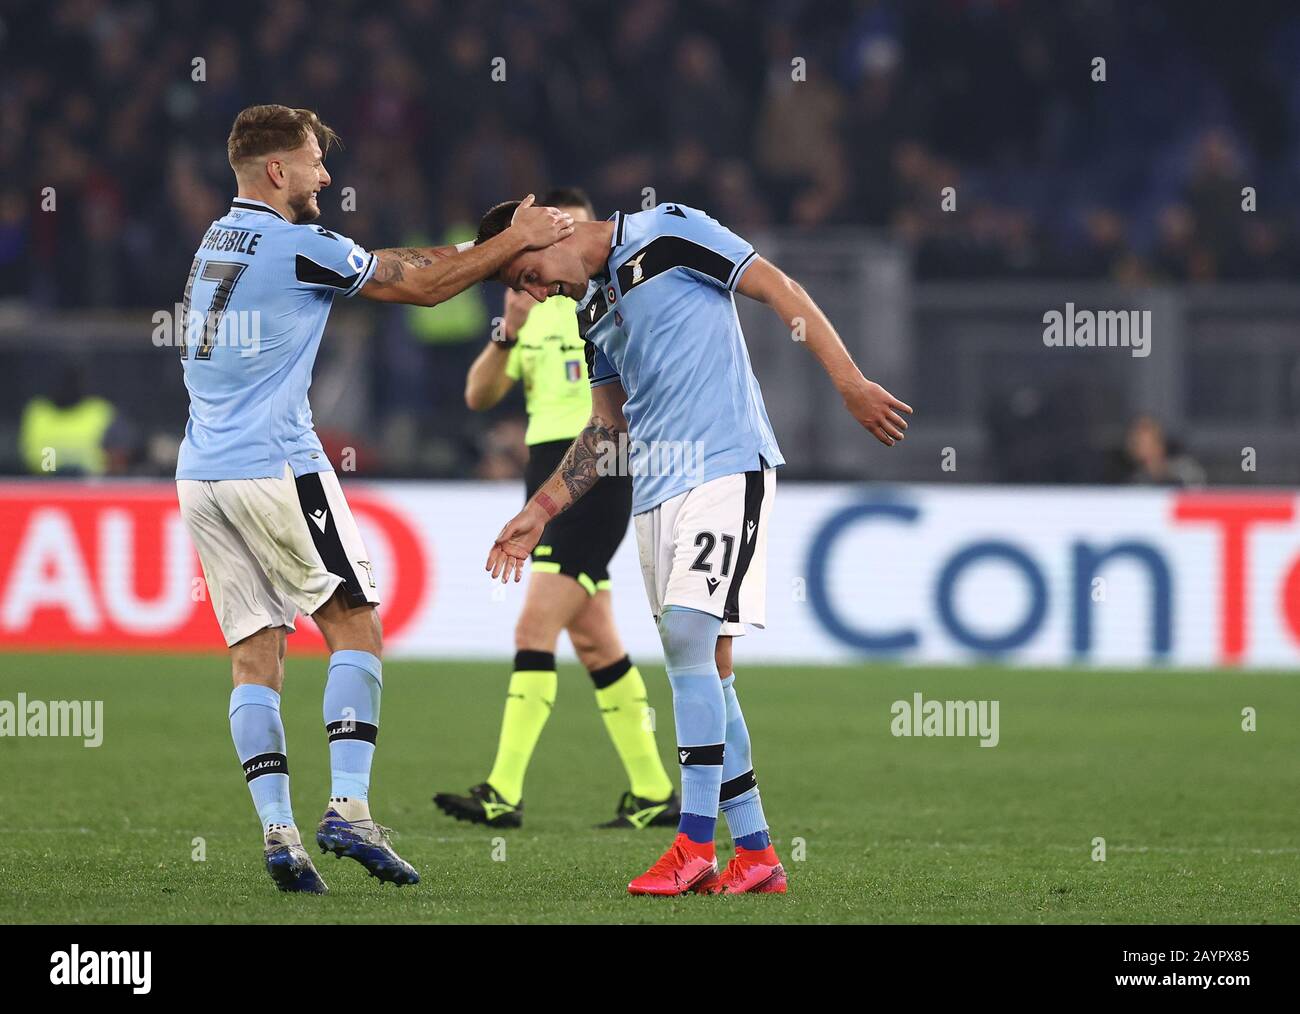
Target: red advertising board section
<point>1233,518</point>
<point>86,567</point>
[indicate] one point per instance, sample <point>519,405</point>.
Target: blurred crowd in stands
<point>813,113</point>
<point>807,113</point>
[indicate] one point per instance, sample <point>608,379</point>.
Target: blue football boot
<point>288,863</point>
<point>347,830</point>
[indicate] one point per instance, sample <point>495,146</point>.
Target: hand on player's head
<point>540,227</point>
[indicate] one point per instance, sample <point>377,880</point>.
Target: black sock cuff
<point>706,756</point>
<point>528,660</point>
<point>734,787</point>
<point>351,729</point>
<point>611,674</point>
<point>265,764</point>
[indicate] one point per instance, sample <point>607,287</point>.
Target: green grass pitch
<point>1199,817</point>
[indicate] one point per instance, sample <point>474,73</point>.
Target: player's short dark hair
<point>498,217</point>
<point>496,221</point>
<point>260,130</point>
<point>569,197</point>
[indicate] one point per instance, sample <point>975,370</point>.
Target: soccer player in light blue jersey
<point>669,370</point>
<point>260,499</point>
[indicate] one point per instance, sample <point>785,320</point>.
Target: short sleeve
<point>598,367</point>
<point>327,260</point>
<point>731,254</point>
<point>682,237</point>
<point>514,363</point>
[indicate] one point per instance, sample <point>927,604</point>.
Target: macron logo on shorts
<point>321,518</point>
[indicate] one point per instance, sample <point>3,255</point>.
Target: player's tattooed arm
<point>879,412</point>
<point>427,276</point>
<point>394,260</point>
<point>581,466</point>
<point>584,463</point>
<point>590,454</point>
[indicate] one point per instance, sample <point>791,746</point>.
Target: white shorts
<point>706,549</point>
<point>272,548</point>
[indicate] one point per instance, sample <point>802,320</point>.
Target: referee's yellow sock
<point>621,695</point>
<point>528,705</point>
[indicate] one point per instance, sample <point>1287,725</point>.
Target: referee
<point>569,586</point>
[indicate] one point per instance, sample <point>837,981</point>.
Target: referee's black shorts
<point>581,541</point>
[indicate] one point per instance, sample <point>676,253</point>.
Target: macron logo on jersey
<point>321,518</point>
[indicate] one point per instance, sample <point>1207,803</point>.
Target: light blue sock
<point>258,733</point>
<point>740,802</point>
<point>689,638</point>
<point>352,720</point>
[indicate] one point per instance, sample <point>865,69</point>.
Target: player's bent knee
<point>350,628</point>
<point>689,638</point>
<point>259,659</point>
<point>274,680</point>
<point>376,630</point>
<point>370,631</point>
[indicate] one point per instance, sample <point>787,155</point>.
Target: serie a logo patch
<point>573,370</point>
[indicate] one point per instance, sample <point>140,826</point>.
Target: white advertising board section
<point>924,574</point>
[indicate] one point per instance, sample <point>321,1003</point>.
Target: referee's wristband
<point>504,343</point>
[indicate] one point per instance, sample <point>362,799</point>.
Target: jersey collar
<point>252,204</point>
<point>619,223</point>
<point>615,241</point>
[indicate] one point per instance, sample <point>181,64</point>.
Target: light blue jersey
<point>662,320</point>
<point>259,293</point>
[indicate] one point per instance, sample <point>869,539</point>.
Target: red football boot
<point>683,867</point>
<point>750,872</point>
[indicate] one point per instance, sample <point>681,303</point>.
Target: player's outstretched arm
<point>427,276</point>
<point>576,474</point>
<point>874,407</point>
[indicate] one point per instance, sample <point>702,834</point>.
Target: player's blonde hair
<point>260,130</point>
